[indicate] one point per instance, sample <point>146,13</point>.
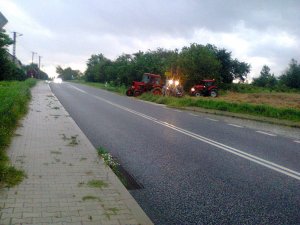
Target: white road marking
<point>252,158</point>
<point>234,125</point>
<point>192,114</point>
<point>77,88</point>
<point>262,132</point>
<point>297,141</point>
<point>211,119</point>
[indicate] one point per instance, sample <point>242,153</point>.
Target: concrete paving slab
<point>59,161</point>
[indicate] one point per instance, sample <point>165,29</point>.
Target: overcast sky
<point>68,32</point>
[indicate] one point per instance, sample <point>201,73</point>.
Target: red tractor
<point>150,83</point>
<point>205,88</point>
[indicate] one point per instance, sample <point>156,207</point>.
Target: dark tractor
<point>150,83</point>
<point>205,88</point>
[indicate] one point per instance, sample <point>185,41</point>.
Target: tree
<point>197,62</point>
<point>240,70</point>
<point>95,71</point>
<point>68,73</point>
<point>291,77</point>
<point>266,79</point>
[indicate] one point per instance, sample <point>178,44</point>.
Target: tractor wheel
<point>129,93</point>
<point>136,93</point>
<point>213,93</point>
<point>156,91</point>
<point>197,94</point>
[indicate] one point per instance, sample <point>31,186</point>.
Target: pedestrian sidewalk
<point>66,181</point>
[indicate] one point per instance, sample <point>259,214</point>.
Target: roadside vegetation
<point>12,69</point>
<point>268,95</point>
<point>230,105</point>
<point>14,98</point>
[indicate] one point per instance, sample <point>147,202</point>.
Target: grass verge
<point>244,108</point>
<point>14,98</point>
<point>226,105</point>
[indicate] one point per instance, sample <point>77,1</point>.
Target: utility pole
<point>32,57</point>
<point>40,62</point>
<point>14,44</point>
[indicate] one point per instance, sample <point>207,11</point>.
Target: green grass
<point>244,108</point>
<point>14,98</point>
<point>91,197</point>
<point>97,184</point>
<point>263,110</point>
<point>249,88</point>
<point>112,163</point>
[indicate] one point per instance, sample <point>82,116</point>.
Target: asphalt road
<point>194,169</point>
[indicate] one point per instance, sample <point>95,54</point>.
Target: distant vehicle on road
<point>57,80</point>
<point>205,88</point>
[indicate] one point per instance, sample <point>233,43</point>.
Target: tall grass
<point>245,108</point>
<point>14,98</point>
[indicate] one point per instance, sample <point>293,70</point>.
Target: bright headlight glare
<point>176,82</point>
<point>170,82</point>
<point>192,89</point>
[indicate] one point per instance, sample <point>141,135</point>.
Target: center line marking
<point>297,141</point>
<point>192,114</point>
<point>234,151</point>
<point>234,125</point>
<point>262,132</point>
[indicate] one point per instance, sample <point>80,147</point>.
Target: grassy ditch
<point>264,110</point>
<point>14,98</point>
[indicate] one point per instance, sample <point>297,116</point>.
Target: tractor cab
<point>205,88</point>
<point>149,78</point>
<point>150,83</point>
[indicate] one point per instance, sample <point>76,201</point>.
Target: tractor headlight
<point>170,82</point>
<point>176,82</point>
<point>192,89</point>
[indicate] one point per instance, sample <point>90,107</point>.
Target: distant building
<point>3,20</point>
<point>17,62</point>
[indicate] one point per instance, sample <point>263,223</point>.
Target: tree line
<point>9,70</point>
<point>289,79</point>
<point>190,65</point>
